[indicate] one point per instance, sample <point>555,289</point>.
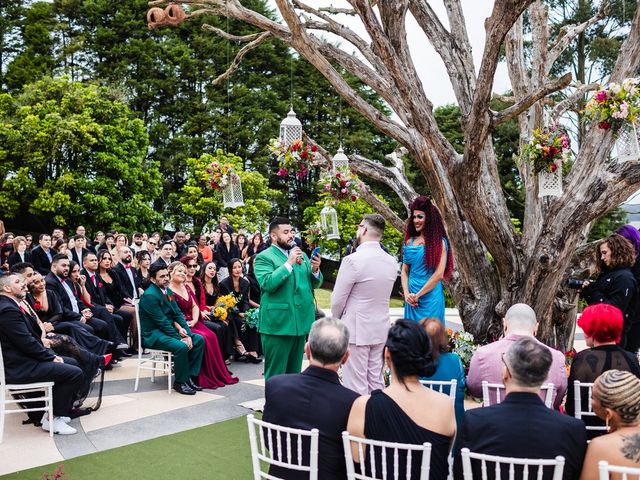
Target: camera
<point>574,283</point>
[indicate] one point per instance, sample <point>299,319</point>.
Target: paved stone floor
<point>128,417</point>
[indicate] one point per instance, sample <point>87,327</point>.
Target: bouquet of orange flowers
<point>218,175</point>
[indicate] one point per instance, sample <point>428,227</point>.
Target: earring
<point>606,423</point>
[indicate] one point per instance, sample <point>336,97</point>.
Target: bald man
<point>486,363</point>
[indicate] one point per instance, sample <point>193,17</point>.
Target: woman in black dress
<point>225,251</point>
<point>247,340</point>
<point>616,284</point>
<point>142,272</point>
<point>383,414</point>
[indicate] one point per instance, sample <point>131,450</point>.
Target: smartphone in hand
<point>316,251</point>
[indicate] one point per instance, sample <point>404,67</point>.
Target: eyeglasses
<point>152,243</point>
<point>191,266</point>
<point>418,216</point>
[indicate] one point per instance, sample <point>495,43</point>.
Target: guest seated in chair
<point>616,399</point>
<point>399,413</point>
<point>315,398</point>
<point>522,426</point>
<point>602,326</point>
<point>26,360</point>
<point>486,363</point>
<point>164,328</point>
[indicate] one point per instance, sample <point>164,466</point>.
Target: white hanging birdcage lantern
<point>232,192</point>
<point>550,183</point>
<point>329,222</point>
<point>627,143</point>
<point>290,129</point>
<point>340,160</point>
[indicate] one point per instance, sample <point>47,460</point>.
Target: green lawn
<point>215,452</point>
<point>323,296</point>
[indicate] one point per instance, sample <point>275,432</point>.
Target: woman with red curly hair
<point>427,260</point>
<point>602,327</point>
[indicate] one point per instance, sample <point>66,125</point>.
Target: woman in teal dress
<point>427,260</point>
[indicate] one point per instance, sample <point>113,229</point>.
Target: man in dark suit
<point>43,254</point>
<point>159,314</point>
<point>128,279</point>
<point>79,251</point>
<point>522,426</point>
<point>26,360</point>
<point>315,398</point>
<point>164,255</point>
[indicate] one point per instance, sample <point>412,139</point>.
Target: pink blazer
<point>362,291</point>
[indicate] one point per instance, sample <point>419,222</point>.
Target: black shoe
<point>133,352</point>
<point>252,359</point>
<point>79,412</point>
<point>194,385</point>
<point>124,353</point>
<point>183,388</point>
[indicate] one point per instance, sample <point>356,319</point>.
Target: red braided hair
<point>433,234</point>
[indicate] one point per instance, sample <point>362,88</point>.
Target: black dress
<point>385,420</point>
<point>587,366</point>
<point>223,255</point>
<point>633,336</point>
<point>218,327</point>
<point>250,337</point>
<point>615,287</point>
<point>113,290</point>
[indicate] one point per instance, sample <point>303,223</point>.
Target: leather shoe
<point>124,353</point>
<point>193,385</point>
<point>183,388</point>
<point>253,359</point>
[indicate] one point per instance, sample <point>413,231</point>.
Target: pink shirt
<point>486,364</point>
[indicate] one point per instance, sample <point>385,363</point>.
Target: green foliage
<point>200,206</point>
<point>608,224</point>
<point>70,154</point>
<point>349,216</point>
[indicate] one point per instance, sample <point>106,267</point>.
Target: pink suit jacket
<point>362,291</point>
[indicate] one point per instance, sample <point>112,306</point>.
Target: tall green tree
<point>73,153</point>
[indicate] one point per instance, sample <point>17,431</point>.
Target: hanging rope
<point>227,141</point>
<point>340,120</point>
<point>291,80</point>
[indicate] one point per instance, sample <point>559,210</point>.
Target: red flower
<point>295,146</point>
<point>100,285</point>
<point>304,154</point>
<point>314,148</point>
<point>170,297</point>
<point>604,125</point>
<point>37,305</point>
<point>353,198</point>
<point>342,183</point>
<point>553,167</point>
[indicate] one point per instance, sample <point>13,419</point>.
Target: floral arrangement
<point>547,149</point>
<point>250,319</point>
<point>218,175</point>
<point>295,159</point>
<point>58,474</point>
<point>313,235</point>
<point>568,359</point>
<point>613,106</point>
<point>223,305</point>
<point>341,185</point>
<point>463,344</point>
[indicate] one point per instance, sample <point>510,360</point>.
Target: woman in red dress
<point>213,373</point>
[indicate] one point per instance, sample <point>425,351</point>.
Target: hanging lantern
<point>290,129</point>
<point>329,222</point>
<point>340,160</point>
<point>627,143</point>
<point>232,193</point>
<point>550,184</point>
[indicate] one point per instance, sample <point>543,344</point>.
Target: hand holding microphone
<point>295,254</point>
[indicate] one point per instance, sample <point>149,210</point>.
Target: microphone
<point>293,244</point>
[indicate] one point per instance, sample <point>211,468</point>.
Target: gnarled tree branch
<point>238,58</point>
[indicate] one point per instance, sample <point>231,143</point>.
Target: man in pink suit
<point>361,299</point>
<point>486,363</point>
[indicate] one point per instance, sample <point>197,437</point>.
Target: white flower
<point>615,88</point>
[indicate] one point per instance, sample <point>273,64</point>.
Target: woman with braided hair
<point>427,260</point>
<point>616,399</point>
<point>398,413</point>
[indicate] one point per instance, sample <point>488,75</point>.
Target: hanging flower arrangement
<point>314,235</point>
<point>547,150</point>
<point>341,185</point>
<point>295,159</point>
<point>218,175</point>
<point>614,105</point>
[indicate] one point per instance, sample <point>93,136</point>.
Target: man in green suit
<point>163,326</point>
<point>287,308</point>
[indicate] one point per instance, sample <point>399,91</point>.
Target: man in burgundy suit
<point>361,299</point>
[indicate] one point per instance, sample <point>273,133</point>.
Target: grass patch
<point>215,452</point>
<point>323,296</point>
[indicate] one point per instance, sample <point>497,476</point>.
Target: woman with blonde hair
<point>616,399</point>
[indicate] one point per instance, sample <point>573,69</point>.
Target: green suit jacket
<point>157,314</point>
<point>287,306</point>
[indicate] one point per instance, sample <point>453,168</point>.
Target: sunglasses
<point>191,266</point>
<point>152,243</point>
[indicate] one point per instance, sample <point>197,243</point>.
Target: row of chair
<point>268,442</point>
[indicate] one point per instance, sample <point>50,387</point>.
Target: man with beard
<point>26,360</point>
<point>128,279</point>
<point>361,299</point>
<point>287,308</point>
<point>136,242</point>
